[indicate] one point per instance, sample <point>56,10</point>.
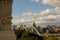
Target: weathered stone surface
<point>5,20</point>
<point>7,35</point>
<point>5,14</point>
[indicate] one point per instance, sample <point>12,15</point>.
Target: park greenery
<point>26,35</point>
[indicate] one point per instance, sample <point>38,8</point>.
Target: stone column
<point>5,20</point>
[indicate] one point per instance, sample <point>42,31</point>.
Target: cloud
<point>55,11</point>
<point>26,20</point>
<point>52,2</point>
<point>15,22</point>
<point>34,0</point>
<point>30,14</point>
<point>23,20</point>
<point>46,17</point>
<point>27,14</point>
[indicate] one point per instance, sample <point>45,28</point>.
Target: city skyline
<point>43,12</point>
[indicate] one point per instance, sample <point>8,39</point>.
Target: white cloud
<point>30,14</point>
<point>27,14</point>
<point>23,20</point>
<point>15,22</point>
<point>35,14</point>
<point>52,2</point>
<point>34,0</point>
<point>26,20</point>
<point>55,11</point>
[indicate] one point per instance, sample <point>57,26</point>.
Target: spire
<point>34,24</point>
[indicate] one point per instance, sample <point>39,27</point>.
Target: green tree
<point>30,36</point>
<point>18,33</point>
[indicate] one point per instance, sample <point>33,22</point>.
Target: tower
<point>5,14</point>
<point>5,20</point>
<point>34,24</point>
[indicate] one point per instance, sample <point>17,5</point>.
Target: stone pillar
<point>5,20</point>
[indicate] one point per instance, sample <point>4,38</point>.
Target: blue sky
<point>22,6</point>
<point>46,12</point>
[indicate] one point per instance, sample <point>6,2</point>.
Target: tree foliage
<point>26,35</point>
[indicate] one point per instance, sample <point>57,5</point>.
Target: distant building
<point>56,29</point>
<point>34,24</point>
<point>21,27</point>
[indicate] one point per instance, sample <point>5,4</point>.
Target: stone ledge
<point>7,35</point>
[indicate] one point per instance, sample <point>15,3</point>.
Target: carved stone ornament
<point>4,21</point>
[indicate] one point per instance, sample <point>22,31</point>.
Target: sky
<point>42,12</point>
